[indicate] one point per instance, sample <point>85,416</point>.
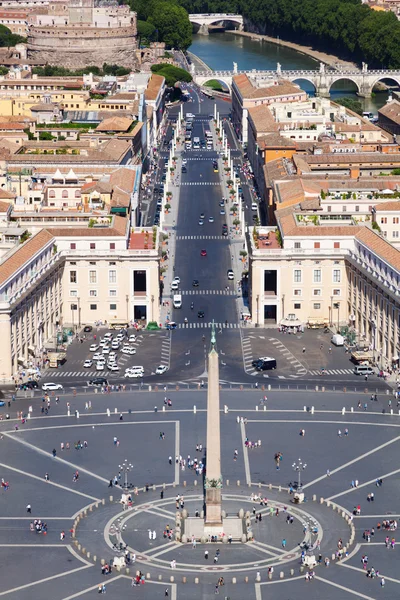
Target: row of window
<point>65,194</point>
<point>317,245</point>
<point>92,246</point>
<point>317,275</point>
<point>112,276</point>
<point>396,220</point>
<point>317,292</point>
<point>395,234</point>
<point>92,293</point>
<point>93,307</point>
<point>316,306</point>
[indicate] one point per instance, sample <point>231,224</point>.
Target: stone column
<point>213,463</point>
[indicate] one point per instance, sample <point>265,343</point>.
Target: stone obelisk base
<point>213,507</point>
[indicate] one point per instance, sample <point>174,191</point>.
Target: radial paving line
<point>58,485</point>
<point>351,462</point>
<point>40,581</point>
<point>385,476</point>
<point>57,458</point>
<point>346,589</point>
<point>177,453</point>
<point>245,454</point>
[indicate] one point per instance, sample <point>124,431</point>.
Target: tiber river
<point>220,50</point>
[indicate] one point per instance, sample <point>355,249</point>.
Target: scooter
<point>192,305</point>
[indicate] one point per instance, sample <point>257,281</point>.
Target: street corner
<point>260,343</point>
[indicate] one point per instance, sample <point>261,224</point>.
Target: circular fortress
<point>82,33</point>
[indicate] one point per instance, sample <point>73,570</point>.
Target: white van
<point>254,206</point>
<point>177,301</point>
<point>337,340</point>
<point>363,370</point>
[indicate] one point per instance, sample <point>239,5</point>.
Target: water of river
<point>220,50</point>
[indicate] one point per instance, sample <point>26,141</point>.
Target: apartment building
<point>251,91</point>
<point>60,279</point>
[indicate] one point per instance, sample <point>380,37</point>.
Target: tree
<point>352,104</point>
<point>173,25</point>
<point>172,74</point>
<point>145,30</point>
<point>7,38</point>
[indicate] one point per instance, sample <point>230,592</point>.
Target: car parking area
<point>99,355</point>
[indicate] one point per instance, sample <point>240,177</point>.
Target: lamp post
<point>152,307</point>
<point>79,312</point>
<point>337,305</point>
<point>299,466</point>
<point>331,314</point>
<point>127,307</point>
<point>125,468</point>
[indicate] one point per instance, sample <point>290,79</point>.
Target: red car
<point>203,253</point>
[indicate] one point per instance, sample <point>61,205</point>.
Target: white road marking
<point>245,454</point>
<point>371,481</point>
<point>345,589</point>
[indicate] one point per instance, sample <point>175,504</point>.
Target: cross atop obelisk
<point>213,480</point>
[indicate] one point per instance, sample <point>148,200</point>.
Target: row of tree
<point>345,28</point>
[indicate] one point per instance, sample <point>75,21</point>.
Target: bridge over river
<point>205,21</point>
<point>321,79</point>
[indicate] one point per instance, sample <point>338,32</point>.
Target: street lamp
<point>125,468</point>
<point>337,305</point>
<point>331,314</point>
<point>299,466</point>
<point>152,307</point>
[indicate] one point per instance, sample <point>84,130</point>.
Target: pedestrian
<point>29,509</point>
<point>46,477</point>
<point>166,594</point>
<point>206,554</point>
<point>216,589</point>
<point>283,543</point>
<point>382,582</point>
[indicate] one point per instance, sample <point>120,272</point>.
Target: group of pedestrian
<point>38,526</point>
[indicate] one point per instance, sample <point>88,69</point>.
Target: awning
<point>291,322</point>
<point>118,210</point>
<point>21,360</point>
<point>395,358</point>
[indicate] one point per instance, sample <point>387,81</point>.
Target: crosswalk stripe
<point>206,325</point>
<point>201,237</point>
<point>200,292</point>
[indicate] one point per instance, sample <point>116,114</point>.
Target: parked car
<point>161,369</point>
<point>50,385</point>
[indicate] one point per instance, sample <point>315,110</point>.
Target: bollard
<point>246,579</point>
<point>163,408</point>
<point>111,498</point>
<point>94,558</point>
<point>115,410</point>
<point>102,562</point>
<point>88,554</point>
<point>281,575</point>
<point>149,388</point>
<point>264,408</point>
<point>258,576</point>
<point>184,484</point>
<point>147,575</point>
<point>333,556</point>
<point>270,486</point>
<point>269,387</point>
<point>108,411</point>
<point>226,482</point>
<point>269,575</point>
<point>195,482</point>
<point>305,409</point>
<point>160,578</point>
<point>352,409</point>
<point>292,571</point>
<point>322,389</point>
<point>343,411</point>
<point>172,579</point>
<point>163,486</point>
<point>183,579</point>
<point>233,579</point>
<point>194,409</point>
<point>321,500</point>
<point>103,501</point>
<point>225,409</point>
<point>312,410</point>
<point>280,488</point>
<point>196,580</point>
<point>314,497</point>
<point>91,508</point>
<point>69,412</point>
<point>257,408</point>
<point>316,388</point>
<point>238,483</point>
<point>127,571</point>
<point>391,411</point>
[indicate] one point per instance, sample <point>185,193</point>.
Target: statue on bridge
<point>279,69</point>
<point>235,69</point>
<point>322,67</point>
<point>364,67</point>
<point>192,68</point>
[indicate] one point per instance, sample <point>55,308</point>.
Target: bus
<point>208,135</point>
<point>196,143</point>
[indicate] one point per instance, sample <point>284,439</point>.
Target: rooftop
<point>23,253</point>
<point>277,88</point>
<point>391,111</point>
<point>154,86</point>
<point>141,240</point>
<point>380,246</point>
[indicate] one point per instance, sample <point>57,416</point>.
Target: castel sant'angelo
<point>78,33</point>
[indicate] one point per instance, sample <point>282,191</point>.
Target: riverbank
<point>327,59</point>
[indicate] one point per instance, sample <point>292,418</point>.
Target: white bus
<point>196,143</point>
<point>208,135</point>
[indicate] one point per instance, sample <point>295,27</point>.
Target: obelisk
<point>213,480</point>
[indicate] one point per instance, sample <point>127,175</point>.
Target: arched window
<point>77,193</point>
<point>65,193</point>
<point>52,194</point>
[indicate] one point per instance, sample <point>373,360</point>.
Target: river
<point>220,50</point>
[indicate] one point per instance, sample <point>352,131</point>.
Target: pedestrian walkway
<point>202,325</point>
<point>202,157</point>
<point>333,372</point>
<point>198,292</point>
<point>201,237</point>
<point>201,183</point>
<point>86,374</point>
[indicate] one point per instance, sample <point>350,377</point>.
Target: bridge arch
<point>227,84</point>
<point>235,20</point>
<point>341,78</point>
<point>298,80</point>
<point>384,79</point>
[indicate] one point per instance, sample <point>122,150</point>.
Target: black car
<point>29,385</point>
<point>200,314</point>
<point>87,328</point>
<point>98,381</point>
<point>195,283</point>
<point>184,169</point>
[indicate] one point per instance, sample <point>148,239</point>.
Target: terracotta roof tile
<point>390,206</point>
<point>154,86</point>
<point>115,124</point>
<point>23,254</point>
<point>391,111</point>
<point>248,90</point>
<point>380,246</point>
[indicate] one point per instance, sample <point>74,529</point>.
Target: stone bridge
<point>322,79</point>
<point>204,21</point>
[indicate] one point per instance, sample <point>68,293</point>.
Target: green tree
<point>352,104</point>
<point>173,25</point>
<point>145,30</point>
<point>172,74</point>
<point>9,39</point>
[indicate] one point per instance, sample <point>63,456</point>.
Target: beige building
<point>61,279</point>
<point>387,216</point>
<point>320,274</point>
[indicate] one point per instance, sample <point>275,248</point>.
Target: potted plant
<point>167,207</point>
<point>229,183</point>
